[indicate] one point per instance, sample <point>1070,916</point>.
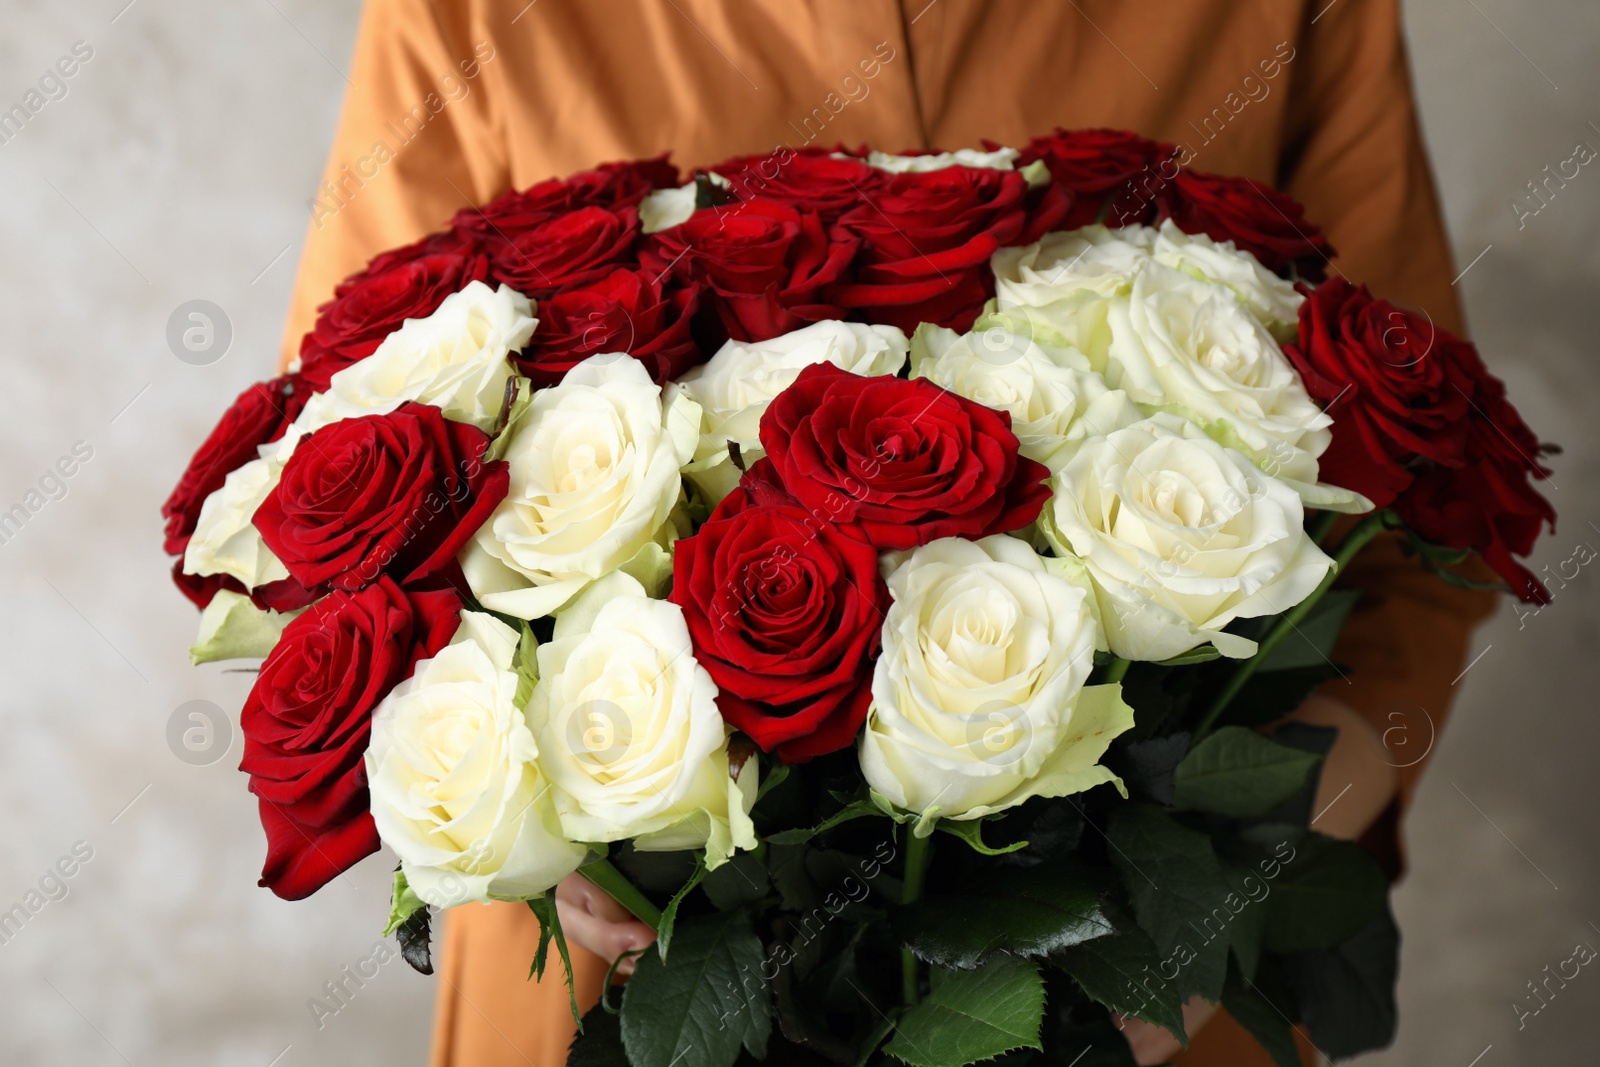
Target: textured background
<point>177,167</point>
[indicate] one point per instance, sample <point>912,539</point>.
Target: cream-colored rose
<point>225,539</point>
<point>456,787</point>
<point>735,386</point>
<point>1271,299</point>
<point>629,732</point>
<point>1000,159</point>
<point>1179,537</point>
<point>1190,347</point>
<point>1054,400</point>
<point>978,699</point>
<point>594,484</point>
<point>454,359</point>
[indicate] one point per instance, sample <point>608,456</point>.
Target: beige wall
<point>176,167</point>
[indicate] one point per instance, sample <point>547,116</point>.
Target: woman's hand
<point>590,918</point>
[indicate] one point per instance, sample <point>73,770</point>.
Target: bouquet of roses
<point>876,572</point>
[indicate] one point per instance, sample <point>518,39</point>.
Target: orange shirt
<point>453,103</point>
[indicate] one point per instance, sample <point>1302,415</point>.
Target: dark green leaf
<point>1098,1044</point>
<point>1311,643</point>
<point>1122,972</point>
<point>1172,875</point>
<point>1238,773</point>
<point>413,935</point>
<point>707,1004</point>
<point>1248,893</point>
<point>1031,911</point>
<point>1270,696</point>
<point>971,1016</point>
<point>599,1042</point>
<point>971,831</point>
<point>1146,767</point>
<point>1317,740</point>
<point>1267,1022</point>
<point>742,880</point>
<point>550,927</point>
<point>669,914</point>
<point>1346,994</point>
<point>1326,893</point>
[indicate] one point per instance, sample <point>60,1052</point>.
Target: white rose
<point>1093,258</point>
<point>1179,537</point>
<point>978,699</point>
<point>629,731</point>
<point>1054,400</point>
<point>1270,298</point>
<point>735,386</point>
<point>456,787</point>
<point>594,481</point>
<point>1188,346</point>
<point>225,539</point>
<point>454,359</point>
<point>1002,159</point>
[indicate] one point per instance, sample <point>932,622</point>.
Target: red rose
<point>626,311</point>
<point>307,721</point>
<point>1108,172</point>
<point>785,613</point>
<point>1253,215</point>
<point>613,185</point>
<point>258,416</point>
<point>813,180</point>
<point>1488,504</point>
<point>568,250</point>
<point>1395,385</point>
<point>397,493</point>
<point>764,263</point>
<point>926,240</point>
<point>909,461</point>
<point>366,309</point>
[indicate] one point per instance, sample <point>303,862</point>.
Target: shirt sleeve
<point>1355,157</point>
<point>418,139</point>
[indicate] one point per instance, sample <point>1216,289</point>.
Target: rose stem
<point>618,888</point>
<point>1116,668</point>
<point>1353,542</point>
<point>910,892</point>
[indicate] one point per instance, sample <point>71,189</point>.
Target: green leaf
<point>550,927</point>
<point>854,810</point>
<point>599,1042</point>
<point>403,903</point>
<point>971,831</point>
<point>1266,1021</point>
<point>1327,892</point>
<point>742,880</point>
<point>415,936</point>
<point>1311,643</point>
<point>1250,922</point>
<point>1122,972</point>
<point>669,914</point>
<point>1171,873</point>
<point>1147,766</point>
<point>1346,994</point>
<point>1238,773</point>
<point>1031,912</point>
<point>707,1004</point>
<point>971,1016</point>
<point>1200,654</point>
<point>1270,696</point>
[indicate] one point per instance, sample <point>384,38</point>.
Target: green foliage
<point>1029,912</point>
<point>1123,972</point>
<point>1346,994</point>
<point>1238,773</point>
<point>709,1003</point>
<point>550,927</point>
<point>1325,895</point>
<point>1311,643</point>
<point>970,1016</point>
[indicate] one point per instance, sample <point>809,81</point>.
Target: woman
<point>452,104</point>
